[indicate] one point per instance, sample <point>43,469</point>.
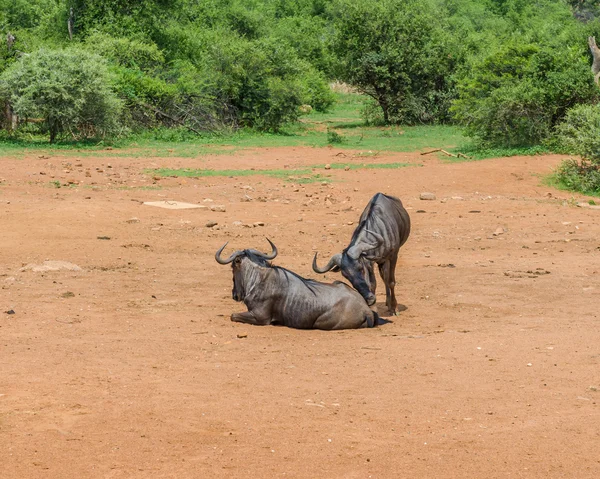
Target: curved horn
<point>273,250</point>
<point>334,261</point>
<point>269,256</point>
<point>228,260</point>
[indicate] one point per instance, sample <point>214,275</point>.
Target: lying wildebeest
<point>276,295</point>
<point>383,228</point>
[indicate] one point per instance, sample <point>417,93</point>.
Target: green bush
<point>315,89</point>
<point>582,176</point>
<point>371,113</point>
<point>307,36</point>
<point>126,52</point>
<point>521,90</point>
<point>68,89</point>
<point>333,137</point>
<point>260,80</point>
<point>246,22</point>
<point>278,106</point>
<point>395,52</point>
<point>579,132</point>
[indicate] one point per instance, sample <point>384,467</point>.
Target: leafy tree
<point>315,89</point>
<point>68,89</point>
<point>18,14</point>
<point>128,52</point>
<point>121,17</point>
<point>515,95</point>
<point>393,51</point>
<point>260,80</point>
<point>307,36</point>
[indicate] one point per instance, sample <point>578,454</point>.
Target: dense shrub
<point>394,51</point>
<point>136,53</point>
<point>120,17</point>
<point>515,66</point>
<point>68,89</point>
<point>308,37</point>
<point>520,91</point>
<point>579,134</point>
<point>582,176</point>
<point>315,89</point>
<point>261,80</point>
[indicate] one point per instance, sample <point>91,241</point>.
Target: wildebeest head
<point>354,263</point>
<point>240,275</point>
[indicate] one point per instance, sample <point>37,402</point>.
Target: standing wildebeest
<point>277,295</point>
<point>383,228</point>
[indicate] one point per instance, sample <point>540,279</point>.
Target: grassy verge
<point>575,176</point>
<point>300,175</point>
<point>475,153</point>
<point>554,181</point>
<point>342,127</point>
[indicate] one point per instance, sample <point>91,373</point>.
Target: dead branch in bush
<point>166,115</point>
<point>447,153</point>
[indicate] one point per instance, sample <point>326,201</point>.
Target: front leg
<point>372,278</point>
<point>250,318</point>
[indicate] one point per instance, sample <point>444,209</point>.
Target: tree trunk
<point>53,127</point>
<point>70,24</point>
<point>10,117</point>
<point>596,55</point>
<point>386,110</point>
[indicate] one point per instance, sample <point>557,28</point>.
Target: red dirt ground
<point>131,367</point>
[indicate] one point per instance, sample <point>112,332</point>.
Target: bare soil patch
<point>131,368</point>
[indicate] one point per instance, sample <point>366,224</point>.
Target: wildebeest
<point>383,228</point>
<point>276,295</point>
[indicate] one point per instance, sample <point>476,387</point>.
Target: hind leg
<point>383,271</point>
<point>392,284</point>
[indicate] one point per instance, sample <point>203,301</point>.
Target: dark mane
<point>309,283</point>
<point>260,261</point>
<point>364,222</point>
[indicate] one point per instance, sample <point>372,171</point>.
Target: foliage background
<point>508,71</point>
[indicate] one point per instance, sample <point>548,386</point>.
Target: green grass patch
<point>299,175</point>
<point>200,173</point>
<point>572,175</point>
<point>304,175</point>
<point>134,188</point>
<point>476,153</point>
<point>372,166</point>
<point>342,127</point>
